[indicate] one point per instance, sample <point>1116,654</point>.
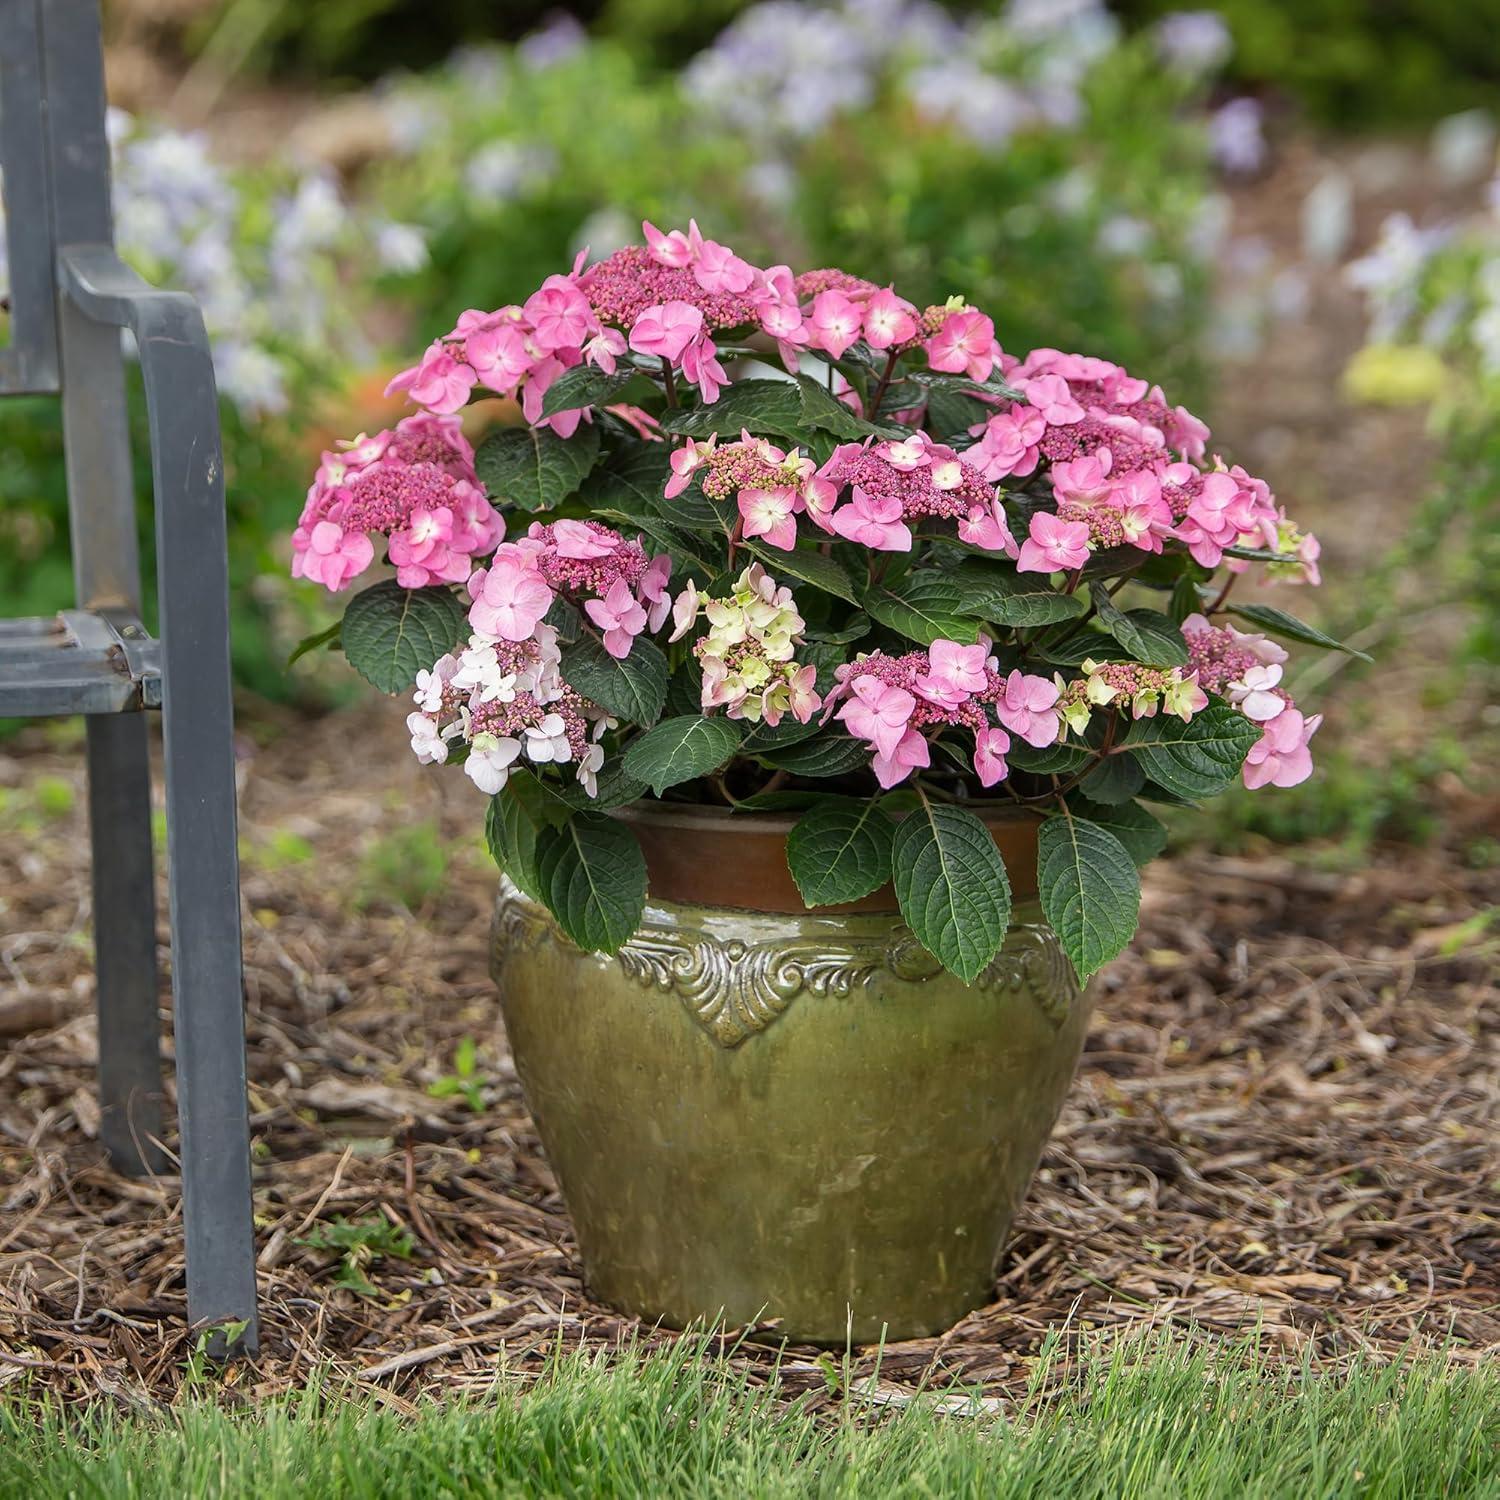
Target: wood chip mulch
<point>1283,1127</point>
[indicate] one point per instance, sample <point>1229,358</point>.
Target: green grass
<point>1146,1421</point>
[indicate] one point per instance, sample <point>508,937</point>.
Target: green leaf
<point>1279,622</point>
<point>319,639</point>
<point>807,567</point>
<point>764,737</point>
<point>994,591</point>
<point>1186,599</point>
<point>587,385</point>
<point>952,887</point>
<point>1198,759</point>
<point>592,877</point>
<point>533,468</point>
<point>633,689</point>
<point>631,477</point>
<point>680,749</point>
<point>1143,836</point>
<point>822,409</point>
<point>828,754</point>
<point>1115,779</point>
<point>782,800</point>
<point>855,628</point>
<point>762,406</point>
<point>1047,760</point>
<point>614,787</point>
<point>1146,635</point>
<point>953,412</point>
<point>1071,647</point>
<point>840,851</point>
<point>924,607</point>
<point>517,814</point>
<point>1090,890</point>
<point>391,633</point>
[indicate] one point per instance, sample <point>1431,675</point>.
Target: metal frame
<point>67,278</point>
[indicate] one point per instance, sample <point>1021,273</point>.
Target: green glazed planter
<point>761,1115</point>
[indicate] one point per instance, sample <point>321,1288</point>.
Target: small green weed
<point>464,1080</point>
<point>361,1244</point>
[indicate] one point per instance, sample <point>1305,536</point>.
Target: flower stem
<point>668,381</point>
<point>880,386</point>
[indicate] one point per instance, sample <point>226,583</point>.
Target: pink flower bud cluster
<point>1246,669</point>
<point>1122,466</point>
<point>894,482</point>
<point>771,486</point>
<point>747,653</point>
<point>414,485</point>
<point>896,704</point>
<point>622,591</point>
<point>507,702</point>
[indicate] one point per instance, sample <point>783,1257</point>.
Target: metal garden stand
<point>70,297</point>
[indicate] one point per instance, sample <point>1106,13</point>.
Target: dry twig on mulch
<point>1283,1123</point>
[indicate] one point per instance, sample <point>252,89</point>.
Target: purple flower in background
<point>1194,41</point>
<point>557,38</point>
<point>1236,137</point>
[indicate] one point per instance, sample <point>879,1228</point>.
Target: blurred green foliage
<point>1359,62</point>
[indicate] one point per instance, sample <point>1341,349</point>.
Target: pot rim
<point>698,855</point>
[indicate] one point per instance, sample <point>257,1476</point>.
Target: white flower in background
<point>557,39</point>
<point>1328,218</point>
<point>500,171</point>
<point>399,247</point>
<point>1463,147</point>
<point>1389,274</point>
<point>1209,230</point>
<point>251,377</point>
<point>1194,41</point>
<point>603,232</point>
<point>1124,236</point>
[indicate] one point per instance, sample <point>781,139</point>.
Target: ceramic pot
<point>757,1112</point>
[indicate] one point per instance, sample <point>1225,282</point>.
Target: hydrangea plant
<point>763,540</point>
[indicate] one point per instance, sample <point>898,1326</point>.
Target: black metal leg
<point>130,1091</point>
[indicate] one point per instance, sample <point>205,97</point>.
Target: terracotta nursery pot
<point>757,1112</point>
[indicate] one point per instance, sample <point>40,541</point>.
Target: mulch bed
<point>1283,1126</point>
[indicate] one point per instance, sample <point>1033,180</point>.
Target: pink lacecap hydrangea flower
<point>1053,545</point>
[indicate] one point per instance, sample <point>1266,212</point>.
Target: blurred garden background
<point>1285,211</point>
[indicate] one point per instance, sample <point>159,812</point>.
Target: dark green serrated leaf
<point>592,877</point>
<point>1115,779</point>
<point>763,407</point>
<point>533,468</point>
<point>764,737</point>
<point>924,607</point>
<point>952,887</point>
<point>778,801</point>
<point>631,477</point>
<point>517,814</point>
<point>840,851</point>
<point>587,385</point>
<point>994,591</point>
<point>634,689</point>
<point>1089,888</point>
<point>614,787</point>
<point>855,628</point>
<point>1146,635</point>
<point>680,749</point>
<point>822,409</point>
<point>1143,836</point>
<point>1198,759</point>
<point>390,633</point>
<point>806,567</point>
<point>1046,760</point>
<point>1279,622</point>
<point>951,413</point>
<point>827,754</point>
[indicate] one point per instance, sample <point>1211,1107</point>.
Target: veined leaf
<point>633,689</point>
<point>761,406</point>
<point>1279,622</point>
<point>1146,635</point>
<point>924,607</point>
<point>1198,759</point>
<point>840,851</point>
<point>1143,836</point>
<point>592,878</point>
<point>390,633</point>
<point>994,591</point>
<point>827,754</point>
<point>952,887</point>
<point>533,468</point>
<point>805,566</point>
<point>1089,889</point>
<point>680,749</point>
